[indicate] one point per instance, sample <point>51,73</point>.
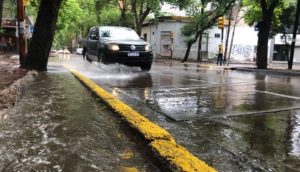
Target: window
<point>217,35</point>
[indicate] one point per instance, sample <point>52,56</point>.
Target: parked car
<point>79,50</point>
<point>112,44</point>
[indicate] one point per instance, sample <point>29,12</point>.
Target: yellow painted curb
<point>175,154</point>
<point>160,141</point>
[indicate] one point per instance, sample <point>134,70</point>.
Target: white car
<point>79,50</point>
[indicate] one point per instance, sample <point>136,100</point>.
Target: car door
<point>93,43</point>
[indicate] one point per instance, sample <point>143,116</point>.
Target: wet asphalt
<point>234,121</point>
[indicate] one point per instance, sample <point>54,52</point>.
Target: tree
<point>269,18</point>
<point>203,20</point>
<point>1,10</point>
<point>38,53</point>
<point>142,8</point>
<point>68,22</point>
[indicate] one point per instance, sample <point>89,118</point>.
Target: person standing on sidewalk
<point>220,56</point>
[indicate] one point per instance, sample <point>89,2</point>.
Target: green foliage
<point>283,14</point>
<point>67,24</point>
<point>203,17</point>
<point>76,17</point>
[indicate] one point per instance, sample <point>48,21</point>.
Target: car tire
<point>87,57</point>
<point>101,58</point>
<point>146,67</point>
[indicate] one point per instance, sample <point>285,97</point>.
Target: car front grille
<point>127,48</point>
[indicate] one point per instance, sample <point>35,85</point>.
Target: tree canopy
<point>269,15</point>
<point>283,18</point>
<point>203,15</point>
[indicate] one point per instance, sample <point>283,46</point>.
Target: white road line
<point>277,94</point>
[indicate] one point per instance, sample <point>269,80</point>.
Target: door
<point>165,44</point>
<point>93,44</point>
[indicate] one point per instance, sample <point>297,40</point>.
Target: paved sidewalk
<point>280,68</point>
<point>57,125</point>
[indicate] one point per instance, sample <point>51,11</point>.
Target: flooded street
<point>234,121</point>
<point>57,125</point>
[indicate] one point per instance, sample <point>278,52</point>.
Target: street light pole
<point>21,30</point>
<point>290,65</point>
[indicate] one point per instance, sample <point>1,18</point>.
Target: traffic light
<point>172,35</point>
<point>25,3</point>
<point>221,22</point>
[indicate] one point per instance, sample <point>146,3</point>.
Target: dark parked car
<point>112,44</point>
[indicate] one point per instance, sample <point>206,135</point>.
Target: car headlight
<point>113,47</point>
<point>148,47</point>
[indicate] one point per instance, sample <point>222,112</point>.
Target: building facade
<point>164,34</point>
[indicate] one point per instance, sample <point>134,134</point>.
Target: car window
<point>118,33</point>
<point>94,31</point>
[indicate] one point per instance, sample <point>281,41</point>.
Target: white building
<point>158,33</point>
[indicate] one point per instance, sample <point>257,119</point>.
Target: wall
<point>153,32</point>
<point>243,47</point>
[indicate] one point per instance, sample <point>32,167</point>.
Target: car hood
<point>128,42</point>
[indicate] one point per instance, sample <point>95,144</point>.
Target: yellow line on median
<point>162,144</point>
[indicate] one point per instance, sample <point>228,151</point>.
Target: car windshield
<point>118,33</point>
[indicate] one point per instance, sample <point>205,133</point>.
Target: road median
<point>168,153</point>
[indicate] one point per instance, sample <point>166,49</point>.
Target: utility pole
<point>234,26</point>
<point>290,65</point>
<point>221,25</point>
<point>21,30</point>
<point>227,36</point>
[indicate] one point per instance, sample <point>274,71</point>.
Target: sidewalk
<point>11,80</point>
<point>279,68</point>
<point>57,125</point>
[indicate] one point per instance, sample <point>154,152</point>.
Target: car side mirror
<point>142,38</point>
<point>94,37</point>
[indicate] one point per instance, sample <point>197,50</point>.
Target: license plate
<point>133,54</point>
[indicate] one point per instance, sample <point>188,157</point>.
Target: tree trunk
<point>122,17</point>
<point>189,46</point>
<point>199,55</point>
<point>186,56</point>
<point>123,8</point>
<point>1,10</point>
<point>227,35</point>
<point>262,44</point>
<point>44,30</point>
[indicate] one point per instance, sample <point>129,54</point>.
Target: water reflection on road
<point>235,121</point>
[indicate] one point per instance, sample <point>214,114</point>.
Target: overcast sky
<point>173,10</point>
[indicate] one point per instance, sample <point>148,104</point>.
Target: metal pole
<point>21,29</point>
<point>233,32</point>
<point>227,35</point>
<point>290,65</point>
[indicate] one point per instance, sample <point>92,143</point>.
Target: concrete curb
<point>169,154</point>
<point>268,71</point>
<point>8,96</point>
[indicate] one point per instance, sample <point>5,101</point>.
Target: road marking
<point>277,94</point>
<point>162,144</point>
<point>251,113</point>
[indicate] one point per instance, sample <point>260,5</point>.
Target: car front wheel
<point>101,58</point>
<point>87,57</point>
